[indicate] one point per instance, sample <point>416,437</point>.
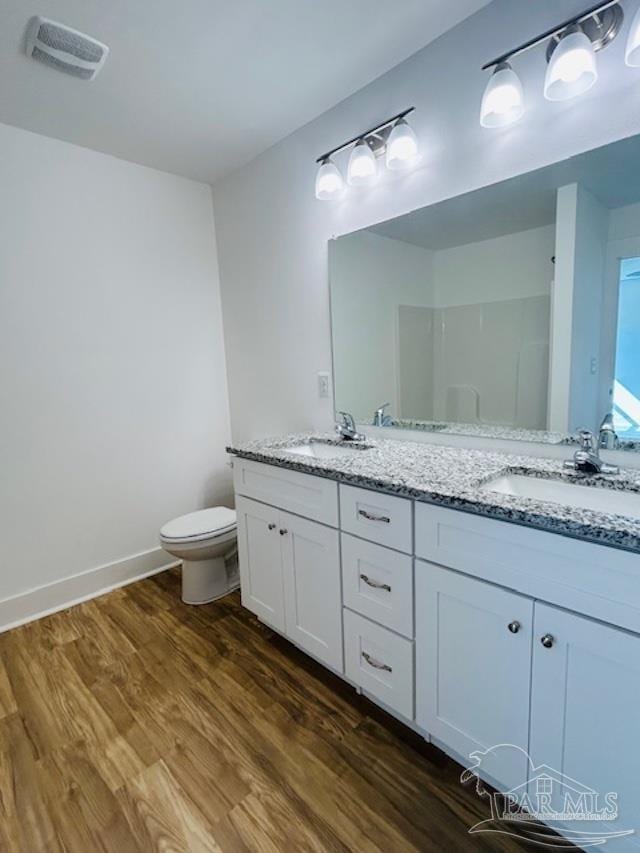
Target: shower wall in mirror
<point>512,310</point>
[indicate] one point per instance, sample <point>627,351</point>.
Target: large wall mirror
<point>513,310</point>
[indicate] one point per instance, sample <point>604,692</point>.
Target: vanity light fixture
<point>571,57</point>
<point>362,164</point>
<point>394,139</point>
<point>572,66</point>
<point>402,146</point>
<point>329,181</point>
<point>503,99</point>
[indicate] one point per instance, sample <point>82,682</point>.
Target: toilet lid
<point>195,525</point>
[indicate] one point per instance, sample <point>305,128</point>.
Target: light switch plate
<point>323,385</point>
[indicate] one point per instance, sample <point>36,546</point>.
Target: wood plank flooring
<point>136,723</point>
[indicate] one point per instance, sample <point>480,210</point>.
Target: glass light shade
<point>329,181</point>
<point>632,52</point>
<point>402,146</point>
<point>572,68</point>
<point>362,164</point>
<point>503,99</point>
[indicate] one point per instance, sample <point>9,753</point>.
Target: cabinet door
<point>473,667</point>
<point>260,558</point>
<point>585,707</point>
<point>313,606</point>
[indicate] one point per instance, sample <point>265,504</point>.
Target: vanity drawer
<point>594,580</point>
<point>302,494</point>
<point>377,517</point>
<point>378,583</point>
<point>380,662</point>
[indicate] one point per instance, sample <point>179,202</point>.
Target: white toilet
<point>205,541</point>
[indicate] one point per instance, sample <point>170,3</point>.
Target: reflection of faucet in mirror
<point>347,429</point>
<point>586,459</point>
<point>381,419</point>
<point>608,437</point>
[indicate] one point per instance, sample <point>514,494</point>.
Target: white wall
<point>272,233</point>
<point>113,399</point>
<point>371,276</point>
<point>592,225</point>
<point>513,266</point>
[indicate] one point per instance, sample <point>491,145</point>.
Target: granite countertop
<point>485,431</point>
<point>453,477</point>
<point>536,436</point>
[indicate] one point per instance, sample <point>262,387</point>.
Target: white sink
<point>321,450</point>
<point>600,499</point>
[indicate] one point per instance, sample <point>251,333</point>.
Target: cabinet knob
<point>272,527</point>
<point>548,640</point>
<point>514,626</point>
<point>283,532</point>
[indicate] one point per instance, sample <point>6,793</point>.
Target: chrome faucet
<point>347,428</point>
<point>586,459</point>
<point>607,436</point>
<point>379,417</point>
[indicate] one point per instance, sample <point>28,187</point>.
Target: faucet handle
<point>586,439</point>
<point>607,436</point>
<point>379,415</point>
<point>348,420</point>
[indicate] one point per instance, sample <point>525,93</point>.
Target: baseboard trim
<point>44,600</point>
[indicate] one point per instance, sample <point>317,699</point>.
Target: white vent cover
<point>65,49</point>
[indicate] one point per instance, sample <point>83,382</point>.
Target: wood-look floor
<point>136,723</point>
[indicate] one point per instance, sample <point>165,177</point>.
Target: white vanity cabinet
<point>260,558</point>
<point>477,631</point>
<point>290,577</point>
<point>312,597</point>
<point>473,650</point>
<point>585,709</point>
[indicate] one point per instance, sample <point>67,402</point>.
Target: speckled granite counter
<point>485,431</point>
<point>453,477</point>
<point>503,433</point>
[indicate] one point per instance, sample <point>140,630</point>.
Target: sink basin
<point>324,450</point>
<point>600,499</point>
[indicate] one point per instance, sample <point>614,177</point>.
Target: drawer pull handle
<point>370,517</point>
<point>272,527</point>
<point>376,664</point>
<point>283,531</point>
<point>548,640</point>
<point>375,584</point>
<point>514,626</point>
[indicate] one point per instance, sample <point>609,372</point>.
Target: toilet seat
<point>203,524</point>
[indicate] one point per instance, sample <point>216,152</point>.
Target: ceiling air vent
<point>65,49</point>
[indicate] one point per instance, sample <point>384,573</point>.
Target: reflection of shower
<point>462,404</point>
<point>531,384</point>
<point>478,363</point>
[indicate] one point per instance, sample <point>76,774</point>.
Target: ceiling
<point>200,87</point>
<point>527,201</point>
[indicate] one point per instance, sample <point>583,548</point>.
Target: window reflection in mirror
<point>626,386</point>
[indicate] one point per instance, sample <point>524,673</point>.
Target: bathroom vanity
<point>479,617</point>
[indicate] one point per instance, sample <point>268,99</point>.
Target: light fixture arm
<point>588,14</point>
<point>374,131</point>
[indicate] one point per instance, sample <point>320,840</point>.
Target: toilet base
<point>204,581</point>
